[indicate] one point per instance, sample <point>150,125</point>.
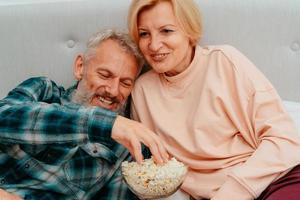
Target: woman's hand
<point>131,134</point>
<point>8,196</point>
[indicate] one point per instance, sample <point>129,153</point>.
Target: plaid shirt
<point>51,148</point>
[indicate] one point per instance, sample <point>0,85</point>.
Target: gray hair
<point>122,38</point>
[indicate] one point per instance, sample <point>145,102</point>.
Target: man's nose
<point>113,87</point>
<point>155,43</point>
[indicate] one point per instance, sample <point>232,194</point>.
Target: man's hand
<point>130,134</point>
<point>8,196</point>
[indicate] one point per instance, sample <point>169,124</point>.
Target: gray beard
<point>83,97</point>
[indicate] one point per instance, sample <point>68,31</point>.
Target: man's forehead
<point>110,56</point>
<point>117,70</point>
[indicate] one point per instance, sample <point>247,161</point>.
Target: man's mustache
<point>84,97</point>
<point>107,95</point>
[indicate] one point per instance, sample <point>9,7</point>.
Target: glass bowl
<point>151,181</point>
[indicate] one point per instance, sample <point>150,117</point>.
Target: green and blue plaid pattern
<point>51,148</point>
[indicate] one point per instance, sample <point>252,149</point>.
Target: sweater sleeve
<point>33,114</point>
<point>277,142</point>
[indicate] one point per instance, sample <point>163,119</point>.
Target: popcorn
<point>148,180</point>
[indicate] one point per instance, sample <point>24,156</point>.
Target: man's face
<point>107,79</point>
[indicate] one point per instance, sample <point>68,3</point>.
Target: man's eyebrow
<point>112,74</point>
<point>105,70</point>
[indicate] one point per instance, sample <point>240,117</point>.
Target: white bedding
<point>293,109</point>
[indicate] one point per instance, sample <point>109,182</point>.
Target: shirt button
<point>27,165</point>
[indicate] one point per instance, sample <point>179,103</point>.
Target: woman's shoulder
<point>147,81</point>
<point>224,49</point>
<point>236,62</point>
<point>228,54</point>
<point>148,77</point>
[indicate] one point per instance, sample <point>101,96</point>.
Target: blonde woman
<point>212,108</point>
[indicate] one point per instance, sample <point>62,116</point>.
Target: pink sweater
<point>223,119</point>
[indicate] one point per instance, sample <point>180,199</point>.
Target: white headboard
<point>41,37</point>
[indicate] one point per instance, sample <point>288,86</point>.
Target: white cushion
<point>293,108</point>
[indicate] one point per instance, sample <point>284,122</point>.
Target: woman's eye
<point>167,31</point>
<point>143,34</point>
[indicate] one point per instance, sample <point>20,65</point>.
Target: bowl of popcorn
<point>151,181</point>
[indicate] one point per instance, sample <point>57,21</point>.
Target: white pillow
<point>293,108</point>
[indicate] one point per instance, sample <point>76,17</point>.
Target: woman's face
<point>161,40</point>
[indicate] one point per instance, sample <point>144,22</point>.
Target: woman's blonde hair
<point>186,12</point>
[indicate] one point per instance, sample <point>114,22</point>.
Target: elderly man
<point>65,144</point>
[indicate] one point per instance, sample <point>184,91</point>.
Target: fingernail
<point>161,161</point>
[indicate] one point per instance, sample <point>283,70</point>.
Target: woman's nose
<point>155,43</point>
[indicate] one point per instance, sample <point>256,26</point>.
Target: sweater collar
<point>183,75</point>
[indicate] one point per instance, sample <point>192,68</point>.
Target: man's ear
<point>78,67</point>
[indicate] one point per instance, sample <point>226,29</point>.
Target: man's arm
<point>32,114</point>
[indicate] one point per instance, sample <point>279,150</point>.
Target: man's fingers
<point>131,134</point>
<point>137,150</point>
<point>163,152</point>
<point>130,149</point>
<point>156,148</point>
<point>161,148</point>
<point>8,196</point>
<point>134,147</point>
